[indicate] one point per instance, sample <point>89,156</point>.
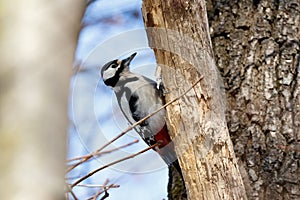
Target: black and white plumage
<point>138,96</point>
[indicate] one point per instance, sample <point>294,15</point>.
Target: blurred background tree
<point>37,43</point>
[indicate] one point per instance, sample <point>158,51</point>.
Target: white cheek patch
<point>110,72</point>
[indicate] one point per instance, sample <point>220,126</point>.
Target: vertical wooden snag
<point>178,33</point>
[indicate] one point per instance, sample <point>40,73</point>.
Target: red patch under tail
<point>163,137</point>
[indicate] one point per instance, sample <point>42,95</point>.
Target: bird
<point>138,96</point>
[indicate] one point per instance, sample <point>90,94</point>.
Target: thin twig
<point>95,153</point>
<point>112,163</point>
<point>132,126</point>
<point>96,186</point>
<point>100,191</point>
<point>104,152</point>
<point>72,193</point>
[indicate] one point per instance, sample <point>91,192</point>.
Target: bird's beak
<point>127,61</point>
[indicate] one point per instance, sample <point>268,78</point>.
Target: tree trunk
<point>181,42</point>
<point>38,40</point>
<point>256,44</point>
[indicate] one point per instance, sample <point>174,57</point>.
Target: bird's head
<point>112,70</point>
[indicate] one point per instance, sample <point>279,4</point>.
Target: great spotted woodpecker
<point>138,96</point>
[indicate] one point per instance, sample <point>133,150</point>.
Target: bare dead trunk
<point>38,41</point>
<point>181,42</point>
<point>256,44</point>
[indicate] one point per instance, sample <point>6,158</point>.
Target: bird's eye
<point>114,66</point>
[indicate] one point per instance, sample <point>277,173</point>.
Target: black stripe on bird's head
<point>111,71</point>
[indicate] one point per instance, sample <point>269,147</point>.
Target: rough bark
<point>176,187</point>
<point>181,42</point>
<point>256,44</point>
<point>38,41</point>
